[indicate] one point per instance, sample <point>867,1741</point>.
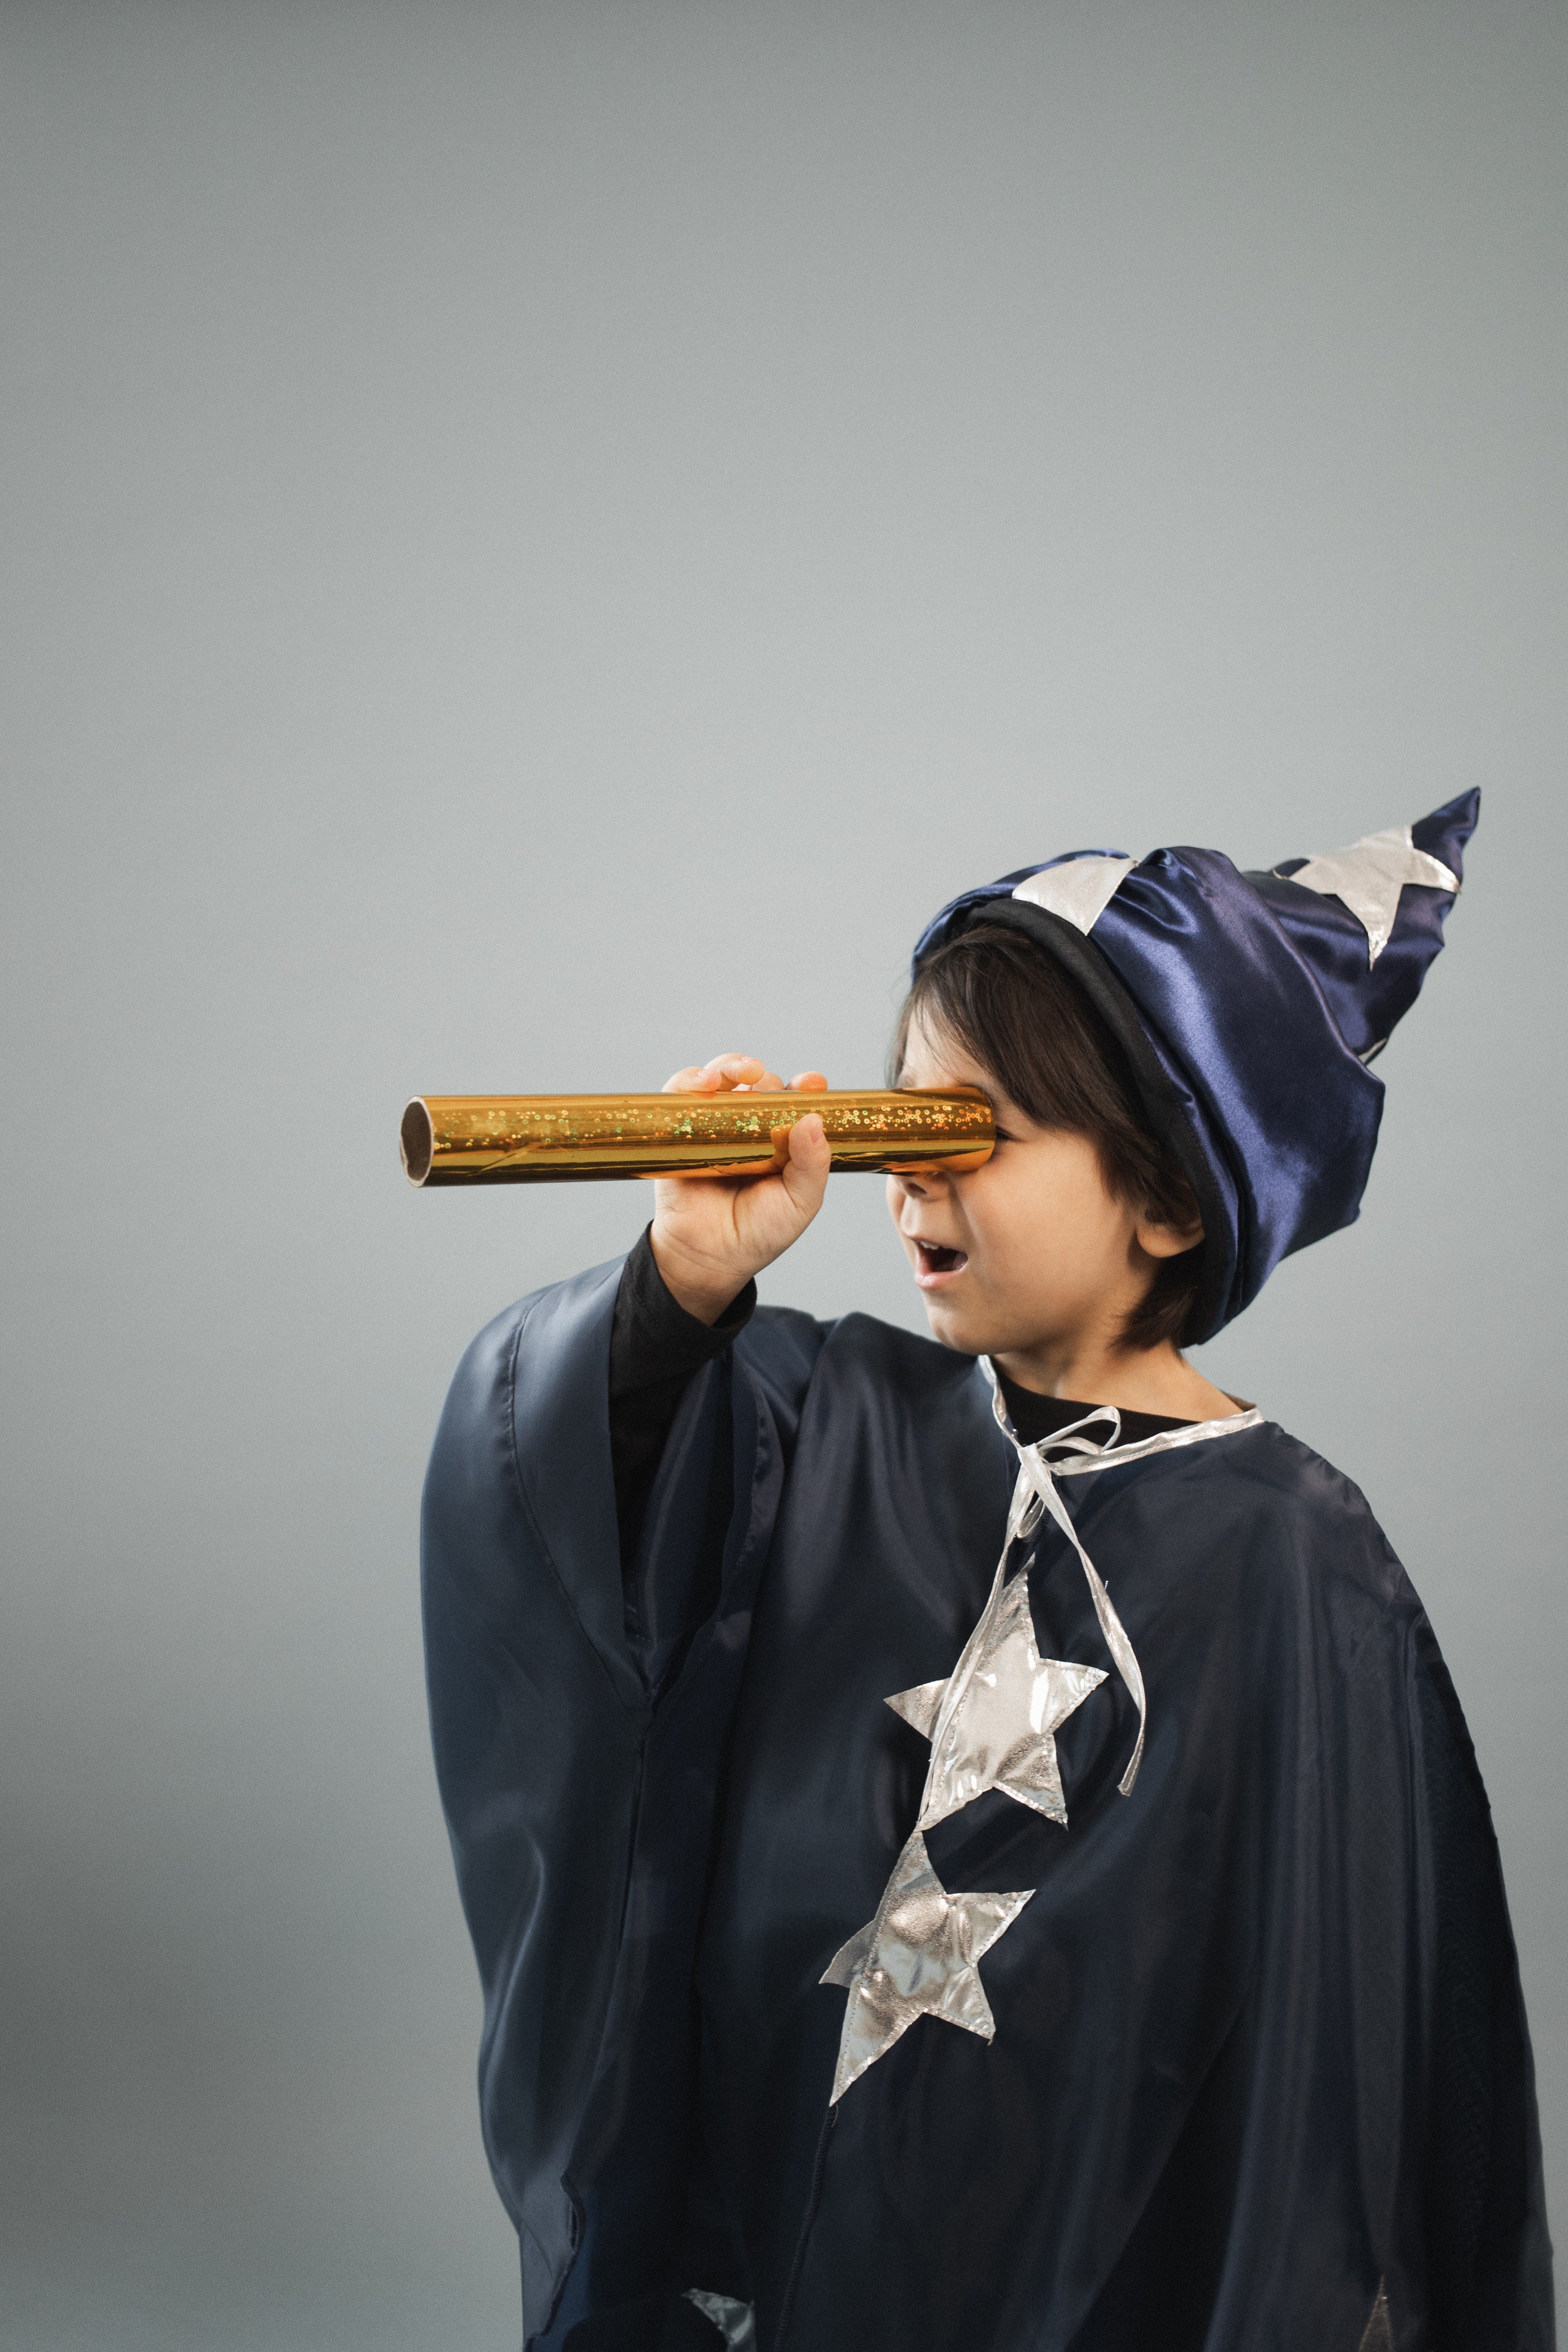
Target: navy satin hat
<point>1250,1006</point>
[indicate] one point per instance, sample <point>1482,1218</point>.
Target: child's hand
<point>712,1233</point>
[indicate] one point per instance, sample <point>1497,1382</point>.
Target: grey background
<point>542,541</point>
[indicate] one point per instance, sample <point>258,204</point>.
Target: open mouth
<point>934,1264</point>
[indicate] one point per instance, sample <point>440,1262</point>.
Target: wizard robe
<point>1259,2077</point>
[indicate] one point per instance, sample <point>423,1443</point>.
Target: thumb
<point>806,1171</point>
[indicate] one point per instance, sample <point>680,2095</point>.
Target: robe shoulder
<point>779,1348</point>
<point>881,1365</point>
<point>782,1347</point>
<point>1288,1517</point>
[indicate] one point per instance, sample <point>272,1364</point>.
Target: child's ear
<point>1158,1240</point>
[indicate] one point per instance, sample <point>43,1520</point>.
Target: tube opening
<point>416,1141</point>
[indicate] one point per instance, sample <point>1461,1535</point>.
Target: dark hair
<point>1024,1019</point>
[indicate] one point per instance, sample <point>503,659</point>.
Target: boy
<point>1101,1947</point>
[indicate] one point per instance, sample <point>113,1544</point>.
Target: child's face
<point>1030,1251</point>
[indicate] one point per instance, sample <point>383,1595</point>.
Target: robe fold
<point>1259,2056</point>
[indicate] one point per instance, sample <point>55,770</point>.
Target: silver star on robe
<point>1369,877</point>
<point>992,1723</point>
<point>917,1959</point>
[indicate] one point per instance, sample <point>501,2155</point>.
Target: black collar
<point>1034,1416</point>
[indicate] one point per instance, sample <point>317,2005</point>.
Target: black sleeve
<point>655,1347</point>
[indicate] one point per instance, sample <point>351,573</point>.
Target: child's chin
<point>952,1327</point>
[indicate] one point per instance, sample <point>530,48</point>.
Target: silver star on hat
<point>917,1959</point>
<point>1369,877</point>
<point>992,1722</point>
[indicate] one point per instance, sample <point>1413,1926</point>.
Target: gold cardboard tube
<point>576,1138</point>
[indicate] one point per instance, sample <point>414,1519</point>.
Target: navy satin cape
<point>1259,2051</point>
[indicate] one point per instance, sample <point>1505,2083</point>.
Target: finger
<point>806,1171</point>
<point>770,1083</point>
<point>808,1082</point>
<point>715,1077</point>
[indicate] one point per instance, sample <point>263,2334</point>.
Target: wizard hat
<point>1250,1006</point>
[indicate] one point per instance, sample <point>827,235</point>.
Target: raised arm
<point>687,1288</point>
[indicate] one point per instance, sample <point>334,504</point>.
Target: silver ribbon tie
<point>1034,1494</point>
